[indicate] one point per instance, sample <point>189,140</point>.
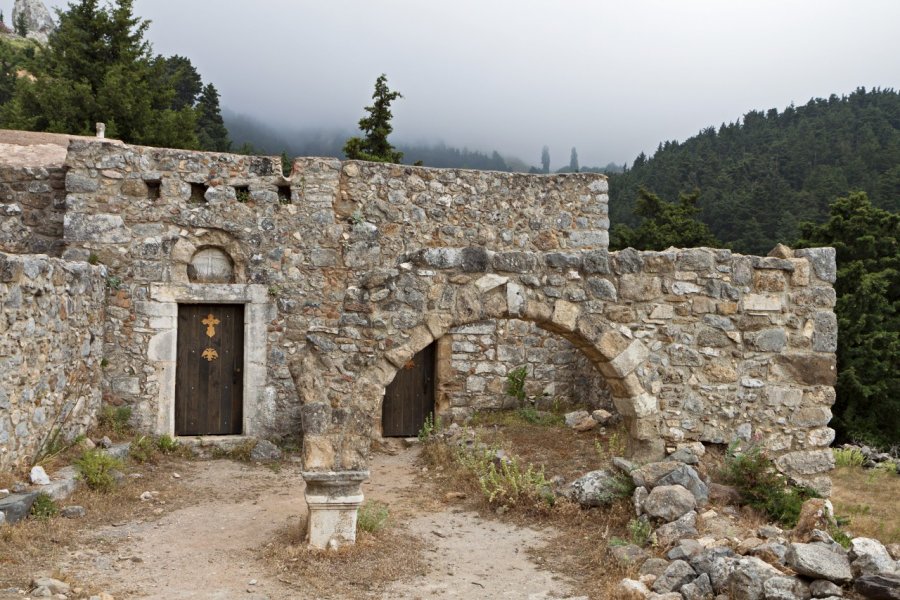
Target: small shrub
<point>531,415</point>
<point>166,444</point>
<point>761,485</point>
<point>143,449</point>
<point>848,457</point>
<point>44,507</point>
<point>511,485</point>
<point>115,419</point>
<point>96,468</point>
<point>515,383</point>
<point>430,429</point>
<point>93,259</point>
<point>615,446</point>
<point>640,532</point>
<point>372,516</point>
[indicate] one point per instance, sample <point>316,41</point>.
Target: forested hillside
<point>759,178</point>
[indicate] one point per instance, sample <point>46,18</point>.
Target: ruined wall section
<point>32,205</point>
<point>312,241</point>
<point>51,331</point>
<point>480,356</point>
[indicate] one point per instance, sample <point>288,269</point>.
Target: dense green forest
<point>98,67</point>
<point>759,178</point>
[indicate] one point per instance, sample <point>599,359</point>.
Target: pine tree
<point>97,67</point>
<point>573,161</point>
<point>211,131</point>
<point>377,127</point>
<point>664,224</point>
<point>21,25</point>
<point>867,241</point>
<point>545,159</point>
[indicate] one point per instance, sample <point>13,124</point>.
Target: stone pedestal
<point>333,498</point>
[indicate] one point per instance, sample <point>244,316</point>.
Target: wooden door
<point>209,369</point>
<point>410,396</point>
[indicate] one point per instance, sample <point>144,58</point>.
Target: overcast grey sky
<point>610,78</point>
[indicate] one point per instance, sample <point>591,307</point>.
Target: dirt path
<point>211,549</point>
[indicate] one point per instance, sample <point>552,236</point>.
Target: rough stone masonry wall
<point>304,240</point>
<point>51,331</point>
<point>363,265</point>
<point>479,357</point>
<point>32,205</point>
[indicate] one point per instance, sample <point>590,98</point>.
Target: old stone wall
<point>32,205</point>
<point>480,356</point>
<point>51,331</point>
<point>348,269</point>
<point>302,243</point>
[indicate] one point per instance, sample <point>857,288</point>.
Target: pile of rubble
<point>710,555</point>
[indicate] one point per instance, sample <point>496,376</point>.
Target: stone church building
<point>217,297</point>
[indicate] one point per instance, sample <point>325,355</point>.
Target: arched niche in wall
<point>211,265</point>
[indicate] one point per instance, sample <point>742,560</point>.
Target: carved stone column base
<point>333,498</point>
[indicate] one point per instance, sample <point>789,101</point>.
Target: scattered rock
<point>870,557</point>
<point>724,494</point>
<point>629,554</point>
<point>4,493</point>
<point>819,562</point>
<point>677,574</point>
<point>878,587</point>
<point>785,588</point>
<point>105,442</point>
<point>679,529</point>
<point>602,416</point>
<point>17,506</point>
<point>450,496</point>
<point>72,512</point>
<point>669,502</point>
<point>654,566</point>
<point>265,450</point>
<point>597,488</point>
<point>39,476</point>
<point>55,586</point>
<point>580,420</point>
<point>748,578</point>
<point>699,589</point>
<point>630,589</point>
<point>822,588</point>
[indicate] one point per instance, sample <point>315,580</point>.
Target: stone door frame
<point>163,346</point>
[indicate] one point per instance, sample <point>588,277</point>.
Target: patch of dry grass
<point>352,572</point>
<point>579,546</point>
<point>868,497</point>
<point>38,545</point>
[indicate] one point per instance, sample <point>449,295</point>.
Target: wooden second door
<point>409,399</point>
<point>209,369</point>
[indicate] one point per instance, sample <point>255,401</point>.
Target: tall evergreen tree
<point>573,161</point>
<point>867,241</point>
<point>181,75</point>
<point>545,159</point>
<point>664,224</point>
<point>97,67</point>
<point>21,25</point>
<point>377,127</point>
<point>211,131</point>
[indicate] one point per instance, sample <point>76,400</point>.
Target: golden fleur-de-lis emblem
<point>210,321</point>
<point>210,354</point>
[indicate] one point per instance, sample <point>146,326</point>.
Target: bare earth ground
<point>211,548</point>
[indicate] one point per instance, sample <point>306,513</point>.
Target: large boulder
<point>819,561</point>
<point>878,587</point>
<point>870,557</point>
<point>679,529</point>
<point>669,502</point>
<point>748,578</point>
<point>598,488</point>
<point>37,19</point>
<point>677,574</point>
<point>670,472</point>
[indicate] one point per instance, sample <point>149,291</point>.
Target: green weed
<point>116,419</point>
<point>44,507</point>
<point>96,468</point>
<point>848,457</point>
<point>372,516</point>
<point>515,383</point>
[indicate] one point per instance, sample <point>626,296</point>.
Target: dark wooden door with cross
<point>209,369</point>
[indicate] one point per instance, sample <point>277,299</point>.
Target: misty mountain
<point>252,135</point>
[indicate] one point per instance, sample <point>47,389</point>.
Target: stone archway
<point>342,436</point>
<point>613,350</point>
